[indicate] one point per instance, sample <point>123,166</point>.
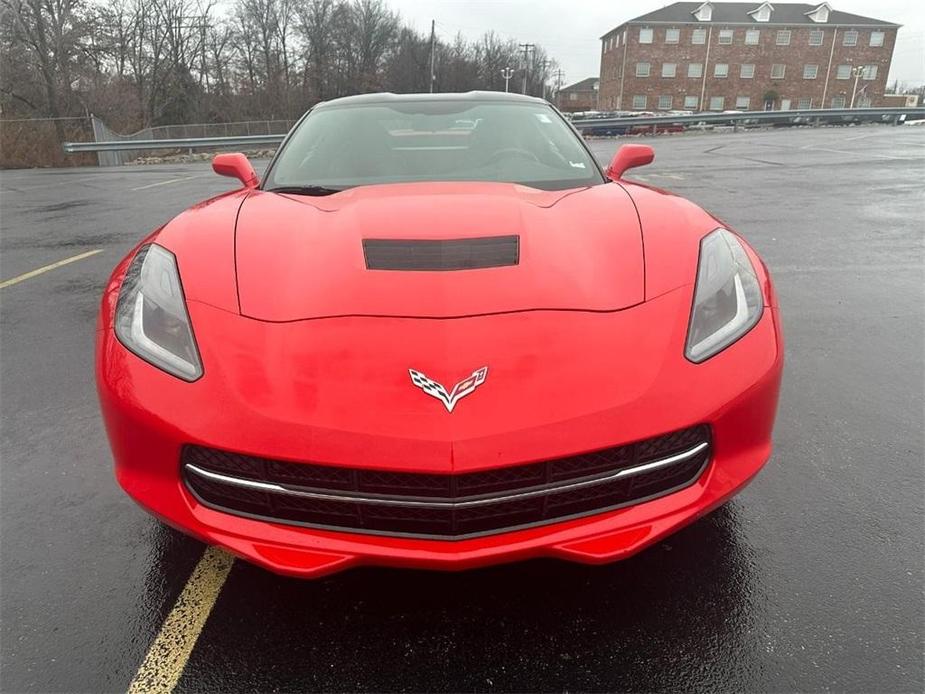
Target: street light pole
<point>857,71</point>
<point>507,73</point>
<point>433,45</point>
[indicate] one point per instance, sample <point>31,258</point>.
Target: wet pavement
<point>811,579</point>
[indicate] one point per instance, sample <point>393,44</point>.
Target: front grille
<point>445,506</point>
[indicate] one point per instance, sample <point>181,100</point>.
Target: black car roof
<point>391,98</point>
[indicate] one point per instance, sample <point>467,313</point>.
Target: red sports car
<point>437,334</point>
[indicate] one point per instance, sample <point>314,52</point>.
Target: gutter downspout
<point>706,66</point>
<point>828,70</point>
<point>626,34</point>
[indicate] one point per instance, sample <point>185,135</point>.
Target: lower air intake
<point>446,506</point>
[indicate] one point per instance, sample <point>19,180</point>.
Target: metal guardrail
<point>721,118</point>
<point>837,115</point>
<point>173,143</point>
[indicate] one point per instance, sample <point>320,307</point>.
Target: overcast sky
<point>569,29</point>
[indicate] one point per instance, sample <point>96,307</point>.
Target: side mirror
<point>629,157</point>
<point>237,166</point>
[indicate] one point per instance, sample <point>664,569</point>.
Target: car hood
<point>300,257</point>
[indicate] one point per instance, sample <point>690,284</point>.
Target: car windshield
<point>337,147</point>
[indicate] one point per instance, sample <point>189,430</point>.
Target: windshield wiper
<point>305,190</point>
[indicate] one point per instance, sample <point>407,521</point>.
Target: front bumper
<point>150,416</point>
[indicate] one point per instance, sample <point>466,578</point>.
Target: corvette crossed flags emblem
<point>460,390</point>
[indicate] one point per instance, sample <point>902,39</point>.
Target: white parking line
<point>857,153</point>
<point>163,665</point>
<point>32,273</point>
<point>165,183</point>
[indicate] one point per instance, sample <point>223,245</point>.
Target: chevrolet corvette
<point>437,334</point>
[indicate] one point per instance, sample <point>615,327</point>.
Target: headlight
<point>151,317</point>
<point>727,298</point>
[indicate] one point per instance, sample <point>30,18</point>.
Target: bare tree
<point>316,28</point>
<point>50,33</point>
<point>138,63</point>
<point>376,31</point>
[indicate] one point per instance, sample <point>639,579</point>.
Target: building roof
<point>586,85</point>
<point>738,13</point>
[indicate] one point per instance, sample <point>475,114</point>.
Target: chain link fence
<point>102,133</point>
<point>36,142</point>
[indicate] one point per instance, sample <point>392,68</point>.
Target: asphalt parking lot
<point>812,579</point>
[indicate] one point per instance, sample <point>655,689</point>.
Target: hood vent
<point>441,254</point>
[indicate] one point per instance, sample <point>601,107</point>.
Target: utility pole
<point>559,75</point>
<point>857,71</point>
<point>545,64</point>
<point>507,73</point>
<point>433,45</point>
<point>527,47</point>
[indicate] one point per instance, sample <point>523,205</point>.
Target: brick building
<point>718,56</point>
<point>581,96</point>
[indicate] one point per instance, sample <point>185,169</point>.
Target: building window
<point>742,102</point>
<point>643,69</point>
<point>820,14</point>
<point>752,37</point>
<point>672,35</point>
<point>804,104</point>
<point>698,36</point>
<point>777,71</point>
<point>645,36</point>
<point>573,96</point>
<point>815,37</point>
<point>843,72</point>
<point>639,102</point>
<point>870,72</point>
<point>695,70</point>
<point>669,69</point>
<point>717,103</point>
<point>838,102</point>
<point>725,36</point>
<point>785,104</point>
<point>747,71</point>
<point>704,13</point>
<point>810,72</point>
<point>783,37</point>
<point>763,13</point>
<point>664,103</point>
<point>863,102</point>
<point>721,70</point>
<point>691,102</point>
<point>876,38</point>
<point>849,38</point>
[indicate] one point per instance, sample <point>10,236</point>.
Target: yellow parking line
<point>164,183</point>
<point>29,275</point>
<point>161,669</point>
